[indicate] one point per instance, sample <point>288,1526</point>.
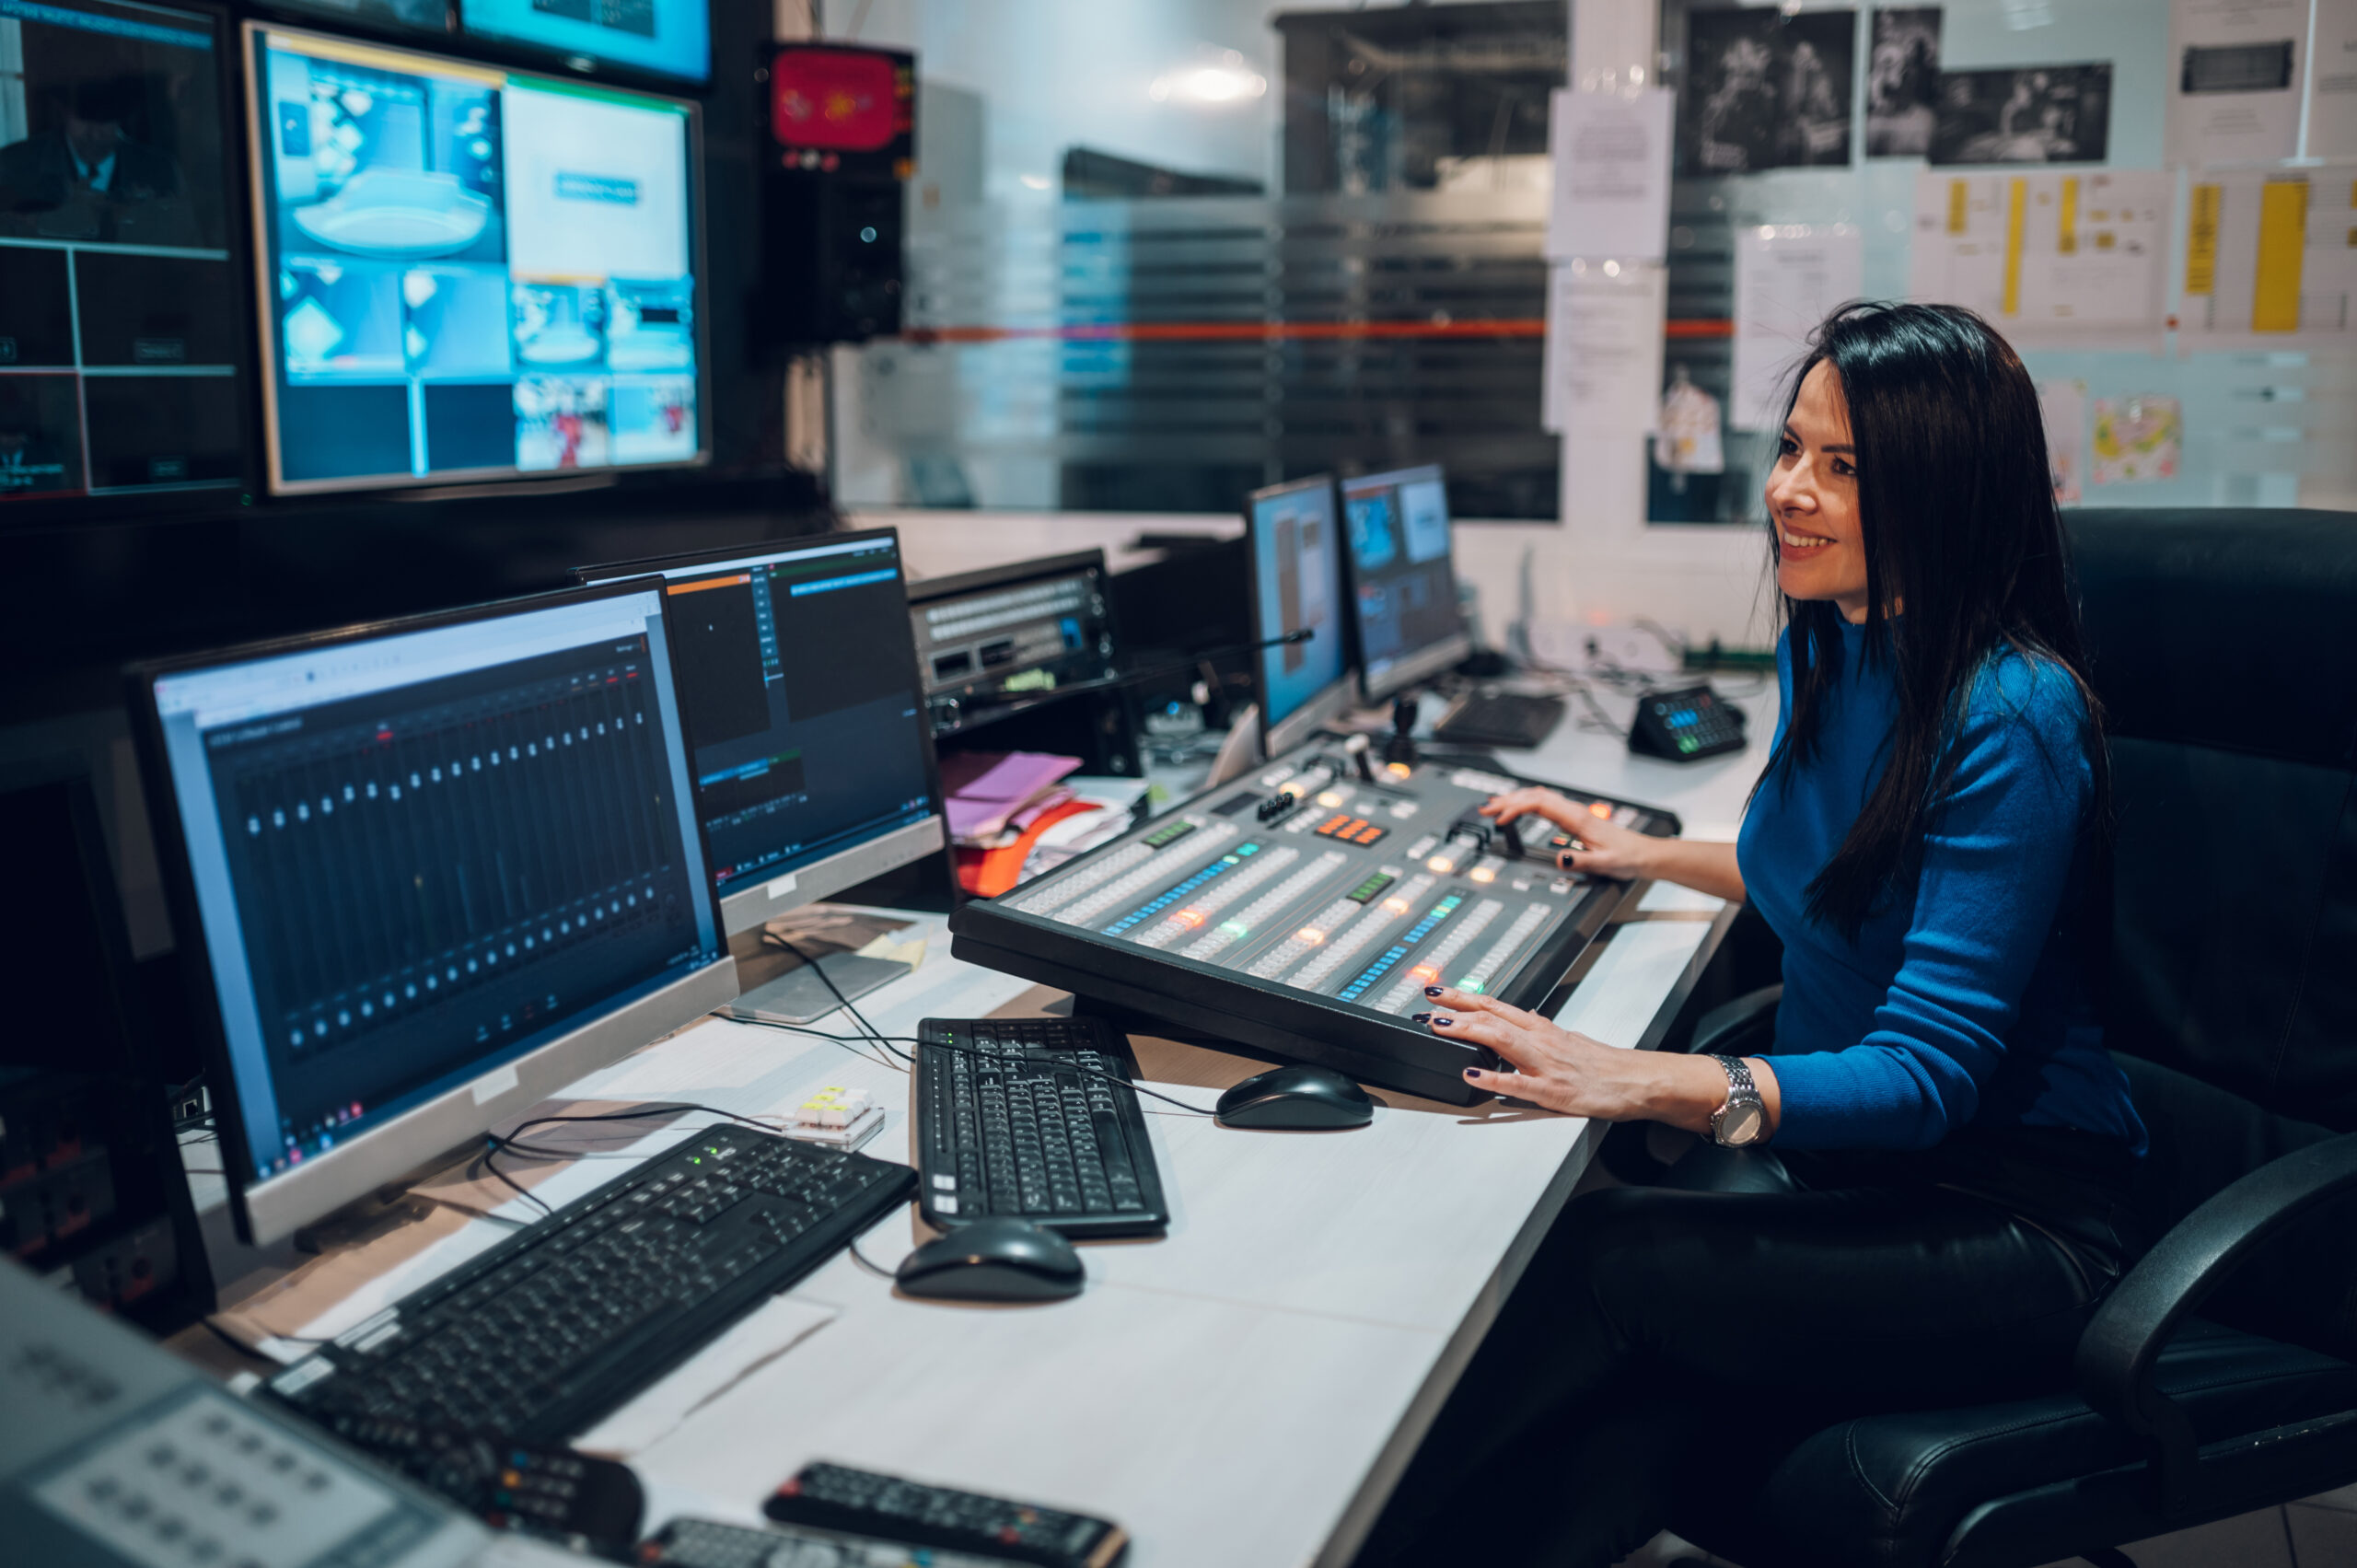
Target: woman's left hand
<point>1551,1066</point>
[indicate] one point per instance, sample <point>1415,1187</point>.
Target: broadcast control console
<point>1302,910</point>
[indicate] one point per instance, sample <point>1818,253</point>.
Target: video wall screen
<point>667,38</point>
<point>119,323</point>
<point>468,272</point>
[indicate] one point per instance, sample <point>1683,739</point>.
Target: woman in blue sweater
<point>1920,1195</point>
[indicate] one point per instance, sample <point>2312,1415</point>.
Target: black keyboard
<point>563,1322</point>
<point>1033,1119</point>
<point>1500,718</point>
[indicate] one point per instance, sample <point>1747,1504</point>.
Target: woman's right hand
<point>1599,848</point>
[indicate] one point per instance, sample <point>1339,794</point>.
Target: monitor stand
<point>798,996</point>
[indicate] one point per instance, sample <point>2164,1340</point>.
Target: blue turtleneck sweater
<point>1960,1001</point>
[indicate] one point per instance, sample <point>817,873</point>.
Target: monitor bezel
<point>1337,697</point>
<point>263,262</point>
<point>139,503</point>
<point>426,1133</point>
<point>791,888</point>
<point>1432,658</point>
<point>599,69</point>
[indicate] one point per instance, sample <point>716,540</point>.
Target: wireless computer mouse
<point>994,1261</point>
<point>1295,1099</point>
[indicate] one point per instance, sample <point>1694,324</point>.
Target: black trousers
<point>1665,1333</point>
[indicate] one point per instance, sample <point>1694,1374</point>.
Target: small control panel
<point>1686,726</point>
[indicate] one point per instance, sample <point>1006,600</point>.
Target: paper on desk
<point>775,1328</point>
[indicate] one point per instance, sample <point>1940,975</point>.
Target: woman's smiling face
<point>1812,500</point>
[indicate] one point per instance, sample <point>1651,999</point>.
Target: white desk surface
<point>1243,1391</point>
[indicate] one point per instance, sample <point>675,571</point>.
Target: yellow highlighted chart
<point>2270,258</point>
<point>2051,258</point>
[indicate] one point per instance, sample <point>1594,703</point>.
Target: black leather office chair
<point>2221,1375</point>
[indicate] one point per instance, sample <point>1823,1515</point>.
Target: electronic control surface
<point>1303,909</point>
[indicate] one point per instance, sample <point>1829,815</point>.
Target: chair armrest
<point>1730,1023</point>
<point>2123,1342</point>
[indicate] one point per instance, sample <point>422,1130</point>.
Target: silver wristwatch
<point>1743,1120</point>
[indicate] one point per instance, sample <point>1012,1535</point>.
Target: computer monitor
<point>1296,585</point>
<point>663,38</point>
<point>813,766</point>
<point>466,272</point>
<point>1403,587</point>
<point>989,640</point>
<point>425,873</point>
<point>119,333</point>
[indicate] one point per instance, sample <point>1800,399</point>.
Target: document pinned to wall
<point>1787,279</point>
<point>2137,439</point>
<point>2236,69</point>
<point>2270,258</point>
<point>2064,404</point>
<point>2052,259</point>
<point>2332,83</point>
<point>1604,345</point>
<point>1611,171</point>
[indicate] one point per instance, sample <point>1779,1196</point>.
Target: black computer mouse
<point>1296,1099</point>
<point>994,1261</point>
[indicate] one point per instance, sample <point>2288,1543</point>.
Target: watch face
<point>1739,1125</point>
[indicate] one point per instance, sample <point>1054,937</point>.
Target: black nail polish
<point>1442,1023</point>
<point>1431,991</point>
<point>1420,1018</point>
<point>1472,1072</point>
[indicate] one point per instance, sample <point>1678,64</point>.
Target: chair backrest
<point>2225,654</point>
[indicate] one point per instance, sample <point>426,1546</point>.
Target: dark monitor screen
<point>1403,586</point>
<point>802,706</point>
<point>417,853</point>
<point>468,272</point>
<point>119,331</point>
<point>415,16</point>
<point>1297,585</point>
<point>667,38</point>
<point>990,638</point>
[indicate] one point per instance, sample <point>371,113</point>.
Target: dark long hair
<point>1957,517</point>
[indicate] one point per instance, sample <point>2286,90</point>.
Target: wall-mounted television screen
<point>120,340</point>
<point>466,273</point>
<point>665,37</point>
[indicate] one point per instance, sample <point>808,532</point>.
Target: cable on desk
<point>835,990</point>
<point>865,1261</point>
<point>850,1043</point>
<point>885,1042</point>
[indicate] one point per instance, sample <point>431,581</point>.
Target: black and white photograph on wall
<point>2024,114</point>
<point>1903,82</point>
<point>1765,89</point>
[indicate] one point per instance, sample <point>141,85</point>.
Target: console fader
<point>1303,909</point>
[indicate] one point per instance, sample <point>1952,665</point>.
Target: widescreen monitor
<point>1297,585</point>
<point>466,273</point>
<point>813,757</point>
<point>1403,586</point>
<point>428,872</point>
<point>120,334</point>
<point>663,38</point>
